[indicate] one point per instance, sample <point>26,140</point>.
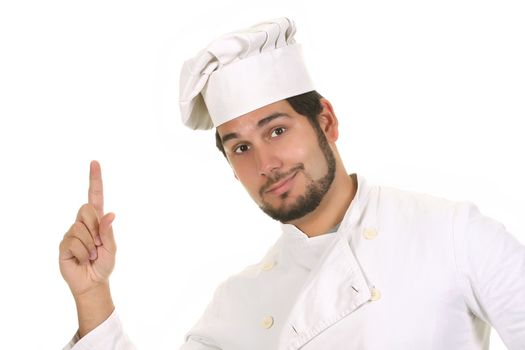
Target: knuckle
<point>80,232</point>
<point>84,225</point>
<point>69,244</point>
<point>62,244</point>
<point>90,245</point>
<point>87,212</point>
<point>71,230</point>
<point>77,227</point>
<point>77,248</point>
<point>81,257</point>
<point>85,209</point>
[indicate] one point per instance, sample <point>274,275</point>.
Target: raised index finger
<point>96,190</point>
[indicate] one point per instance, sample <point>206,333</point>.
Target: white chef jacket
<point>403,271</point>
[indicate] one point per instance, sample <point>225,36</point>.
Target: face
<point>283,162</point>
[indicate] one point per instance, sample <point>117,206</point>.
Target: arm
<point>87,258</point>
<point>492,263</point>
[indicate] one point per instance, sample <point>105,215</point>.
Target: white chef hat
<point>240,72</point>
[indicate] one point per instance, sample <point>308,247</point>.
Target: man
<point>357,266</point>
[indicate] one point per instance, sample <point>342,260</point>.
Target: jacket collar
<point>336,285</point>
<point>292,235</point>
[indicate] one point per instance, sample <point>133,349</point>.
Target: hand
<point>87,251</point>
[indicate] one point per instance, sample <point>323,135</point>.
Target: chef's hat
<point>240,72</point>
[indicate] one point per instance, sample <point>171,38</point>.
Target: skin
<point>273,140</point>
<point>87,257</point>
<point>259,146</point>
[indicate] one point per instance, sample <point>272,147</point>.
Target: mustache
<point>278,176</point>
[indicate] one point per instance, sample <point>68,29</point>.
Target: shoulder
<point>415,208</point>
<point>248,275</point>
<point>413,199</point>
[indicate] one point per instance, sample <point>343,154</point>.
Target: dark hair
<point>307,104</point>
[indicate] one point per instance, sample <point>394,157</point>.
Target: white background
<point>429,95</point>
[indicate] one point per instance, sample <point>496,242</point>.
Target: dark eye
<point>241,149</point>
<point>277,131</point>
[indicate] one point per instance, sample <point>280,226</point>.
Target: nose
<point>267,160</point>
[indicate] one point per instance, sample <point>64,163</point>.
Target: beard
<point>315,189</point>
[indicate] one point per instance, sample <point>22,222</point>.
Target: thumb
<point>106,231</point>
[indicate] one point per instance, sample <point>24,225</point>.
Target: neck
<point>332,208</point>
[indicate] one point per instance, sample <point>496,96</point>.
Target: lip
<point>282,186</point>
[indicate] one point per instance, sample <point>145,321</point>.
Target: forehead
<point>250,120</point>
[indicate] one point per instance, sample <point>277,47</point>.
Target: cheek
<point>246,173</point>
<point>294,151</point>
<point>298,152</point>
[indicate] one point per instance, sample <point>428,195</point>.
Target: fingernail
<point>93,254</point>
<point>98,242</point>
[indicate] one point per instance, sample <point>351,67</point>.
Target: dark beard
<point>315,191</point>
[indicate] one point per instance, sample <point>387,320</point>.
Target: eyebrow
<point>260,124</point>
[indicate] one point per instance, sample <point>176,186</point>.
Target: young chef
<point>357,266</point>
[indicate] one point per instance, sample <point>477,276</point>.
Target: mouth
<point>282,186</point>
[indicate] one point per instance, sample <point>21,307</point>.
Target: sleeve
<point>207,332</point>
<point>109,335</point>
<point>195,344</point>
<point>492,266</point>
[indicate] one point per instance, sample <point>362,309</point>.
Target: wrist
<point>93,307</point>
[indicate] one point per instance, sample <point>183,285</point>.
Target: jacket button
<point>376,294</point>
<point>268,266</point>
<point>370,233</point>
<point>267,322</point>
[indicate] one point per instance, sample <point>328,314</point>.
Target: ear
<point>328,121</point>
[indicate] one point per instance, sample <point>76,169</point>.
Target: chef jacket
<point>403,271</point>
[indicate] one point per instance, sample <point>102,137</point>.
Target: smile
<point>282,186</point>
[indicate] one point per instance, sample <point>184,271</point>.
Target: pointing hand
<point>87,251</point>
